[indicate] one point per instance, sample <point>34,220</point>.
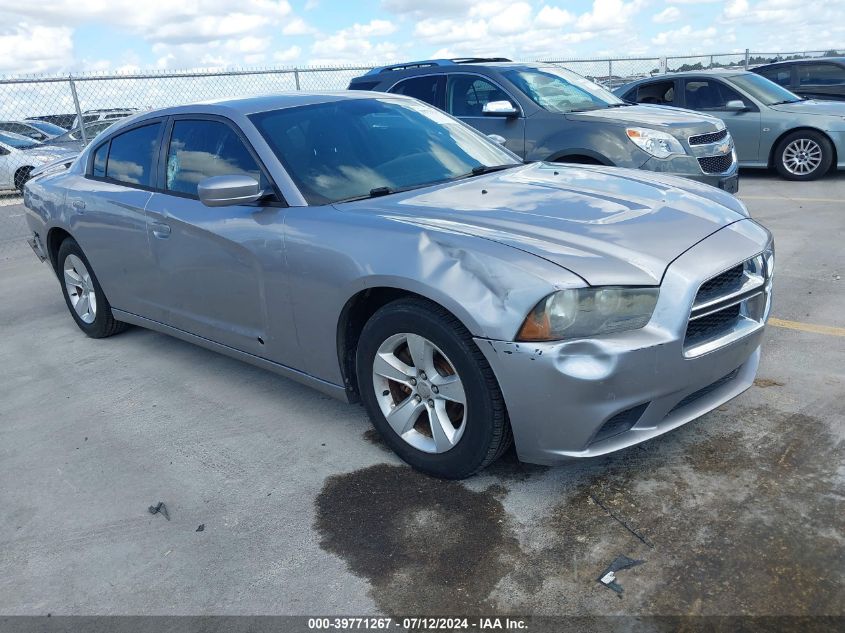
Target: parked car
<point>24,128</point>
<point>543,112</point>
<point>19,156</point>
<point>72,140</point>
<point>376,249</point>
<point>771,126</point>
<point>62,120</point>
<point>91,116</point>
<point>821,78</point>
<point>50,129</point>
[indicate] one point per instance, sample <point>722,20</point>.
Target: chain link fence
<point>43,118</point>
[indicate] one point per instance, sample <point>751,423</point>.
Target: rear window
<point>132,156</point>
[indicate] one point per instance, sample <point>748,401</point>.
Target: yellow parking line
<point>808,327</point>
<point>791,199</point>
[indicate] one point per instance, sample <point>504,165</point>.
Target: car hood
<point>609,226</point>
<point>812,106</point>
<point>681,122</point>
<point>46,153</point>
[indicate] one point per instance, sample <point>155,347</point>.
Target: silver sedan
<point>379,250</point>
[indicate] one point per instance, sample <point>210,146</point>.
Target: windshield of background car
<point>764,90</point>
<point>558,90</point>
<point>344,149</point>
<point>18,142</point>
<point>47,128</point>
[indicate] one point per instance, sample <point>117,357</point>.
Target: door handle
<point>160,230</point>
<point>79,205</point>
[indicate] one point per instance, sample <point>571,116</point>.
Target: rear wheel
<point>21,176</point>
<point>803,155</point>
<point>83,295</point>
<point>429,390</point>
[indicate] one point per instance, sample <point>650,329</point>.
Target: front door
<point>222,273</point>
<point>466,96</point>
<point>711,96</point>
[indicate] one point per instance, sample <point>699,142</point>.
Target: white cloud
<point>287,55</point>
<point>37,49</point>
<point>353,44</point>
<point>610,15</point>
<point>553,18</point>
<point>668,15</point>
<point>678,40</point>
<point>298,26</point>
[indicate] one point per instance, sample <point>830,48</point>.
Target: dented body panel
<point>271,285</point>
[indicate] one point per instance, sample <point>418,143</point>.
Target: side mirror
<point>497,139</point>
<point>499,108</point>
<point>226,191</point>
<point>735,105</point>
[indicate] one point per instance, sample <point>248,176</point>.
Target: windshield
<point>347,149</point>
<point>559,90</point>
<point>768,92</point>
<point>17,141</point>
<point>47,128</point>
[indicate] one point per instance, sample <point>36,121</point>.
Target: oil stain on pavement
<point>736,514</point>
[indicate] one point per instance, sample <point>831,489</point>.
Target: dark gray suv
<point>544,112</point>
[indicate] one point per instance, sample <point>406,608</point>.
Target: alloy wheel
<point>80,289</point>
<point>420,392</point>
<point>802,156</point>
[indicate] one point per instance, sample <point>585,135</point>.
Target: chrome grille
<point>721,284</point>
<point>716,164</point>
<point>706,139</point>
<point>729,305</point>
<point>702,328</point>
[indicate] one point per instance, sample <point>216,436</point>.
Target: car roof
<point>255,104</point>
<point>433,66</point>
<point>813,60</point>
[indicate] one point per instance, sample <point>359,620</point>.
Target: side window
<point>820,74</point>
<point>467,94</point>
<point>659,92</point>
<point>428,88</point>
<point>98,166</point>
<point>707,94</point>
<point>132,155</point>
<point>201,149</point>
<point>780,75</point>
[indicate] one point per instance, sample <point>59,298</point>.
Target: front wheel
<point>83,295</point>
<point>429,390</point>
<point>803,155</point>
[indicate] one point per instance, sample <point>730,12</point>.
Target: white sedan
<point>19,155</point>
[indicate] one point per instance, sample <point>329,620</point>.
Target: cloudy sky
<point>50,36</point>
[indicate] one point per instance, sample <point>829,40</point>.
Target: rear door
<point>711,96</point>
<point>428,88</point>
<point>662,92</point>
<point>218,266</point>
<point>821,80</point>
<point>466,95</point>
<point>107,218</point>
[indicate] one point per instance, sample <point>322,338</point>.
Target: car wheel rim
<point>420,393</point>
<point>802,156</point>
<point>80,289</point>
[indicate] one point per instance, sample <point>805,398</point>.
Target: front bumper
<point>689,167</point>
<point>561,395</point>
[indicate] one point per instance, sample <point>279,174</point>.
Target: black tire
<point>104,323</point>
<point>487,432</point>
<point>21,176</point>
<point>819,140</point>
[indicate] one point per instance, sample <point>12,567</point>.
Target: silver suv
<point>544,112</point>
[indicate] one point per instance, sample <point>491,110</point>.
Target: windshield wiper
<point>479,170</point>
<point>786,101</point>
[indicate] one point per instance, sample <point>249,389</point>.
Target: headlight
<point>586,312</point>
<point>658,144</point>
